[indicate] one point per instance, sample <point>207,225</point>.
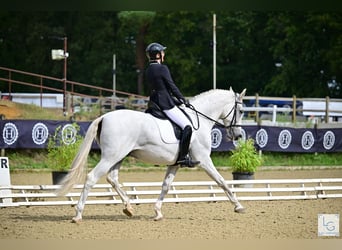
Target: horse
<point>122,133</point>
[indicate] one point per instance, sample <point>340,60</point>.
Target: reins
<point>216,122</point>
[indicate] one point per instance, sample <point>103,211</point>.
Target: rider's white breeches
<point>178,117</point>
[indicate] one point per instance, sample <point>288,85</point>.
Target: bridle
<point>221,125</point>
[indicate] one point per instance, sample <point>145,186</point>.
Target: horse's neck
<point>212,102</point>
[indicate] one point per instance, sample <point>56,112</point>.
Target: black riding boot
<point>184,159</point>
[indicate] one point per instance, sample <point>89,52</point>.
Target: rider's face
<point>162,56</point>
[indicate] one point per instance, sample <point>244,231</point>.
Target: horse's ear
<point>242,94</point>
<point>230,88</point>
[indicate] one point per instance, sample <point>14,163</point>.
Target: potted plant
<point>245,160</point>
<point>62,147</point>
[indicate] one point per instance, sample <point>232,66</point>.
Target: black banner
<point>30,134</point>
<point>283,139</point>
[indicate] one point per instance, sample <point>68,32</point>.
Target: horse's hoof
<point>240,210</point>
<point>75,220</point>
<point>128,212</point>
<point>158,218</point>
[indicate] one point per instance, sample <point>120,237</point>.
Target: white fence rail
<point>185,191</point>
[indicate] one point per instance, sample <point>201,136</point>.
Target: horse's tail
<point>78,167</point>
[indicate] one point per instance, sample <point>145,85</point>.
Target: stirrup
<point>187,162</point>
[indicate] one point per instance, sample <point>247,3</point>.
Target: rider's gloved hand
<point>187,103</point>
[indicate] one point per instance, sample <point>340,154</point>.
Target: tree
<point>305,42</point>
<point>187,35</point>
<point>136,23</point>
<point>249,43</point>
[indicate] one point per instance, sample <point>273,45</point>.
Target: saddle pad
<point>166,131</point>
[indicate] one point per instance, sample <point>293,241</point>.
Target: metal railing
<point>184,191</point>
<point>46,84</point>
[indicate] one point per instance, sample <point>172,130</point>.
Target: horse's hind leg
<point>113,179</point>
<point>92,178</point>
<point>169,177</point>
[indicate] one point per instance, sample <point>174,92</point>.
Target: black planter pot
<point>243,176</point>
<point>57,176</point>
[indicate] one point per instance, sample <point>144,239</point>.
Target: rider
<point>165,94</point>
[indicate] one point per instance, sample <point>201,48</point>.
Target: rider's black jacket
<point>162,86</point>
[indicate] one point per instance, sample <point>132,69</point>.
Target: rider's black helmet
<point>153,49</point>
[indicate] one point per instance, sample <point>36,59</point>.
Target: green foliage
<point>61,152</point>
<point>245,157</point>
<point>249,43</point>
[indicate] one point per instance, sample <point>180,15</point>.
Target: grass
<point>287,159</point>
<point>37,159</point>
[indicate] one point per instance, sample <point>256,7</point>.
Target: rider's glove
<point>187,103</point>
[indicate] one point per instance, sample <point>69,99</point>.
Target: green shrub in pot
<point>61,152</point>
<point>245,159</point>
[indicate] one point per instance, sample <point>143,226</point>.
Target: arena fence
<point>184,191</point>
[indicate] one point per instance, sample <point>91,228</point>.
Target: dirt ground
<point>8,109</point>
<point>195,221</point>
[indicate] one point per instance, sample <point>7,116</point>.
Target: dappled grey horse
<point>124,133</point>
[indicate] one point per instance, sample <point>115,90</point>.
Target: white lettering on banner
<point>261,138</point>
<point>5,179</point>
<point>40,133</point>
<point>10,133</point>
<point>284,139</point>
<point>328,140</point>
<point>308,140</point>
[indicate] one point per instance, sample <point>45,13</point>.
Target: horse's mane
<point>209,92</point>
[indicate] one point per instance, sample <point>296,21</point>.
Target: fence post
<point>294,108</point>
<point>327,100</point>
<point>274,114</point>
<point>9,84</point>
<point>257,105</point>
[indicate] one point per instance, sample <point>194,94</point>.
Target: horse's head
<point>232,116</point>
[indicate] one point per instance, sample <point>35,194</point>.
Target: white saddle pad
<point>166,131</point>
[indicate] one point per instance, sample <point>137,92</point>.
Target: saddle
<point>154,110</point>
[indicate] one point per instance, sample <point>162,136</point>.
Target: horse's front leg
<point>169,177</point>
<point>217,177</point>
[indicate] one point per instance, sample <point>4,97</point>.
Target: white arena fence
<point>182,191</point>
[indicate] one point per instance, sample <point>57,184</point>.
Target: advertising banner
<point>31,134</point>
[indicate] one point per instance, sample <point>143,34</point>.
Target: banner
<point>31,134</point>
<point>284,139</point>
